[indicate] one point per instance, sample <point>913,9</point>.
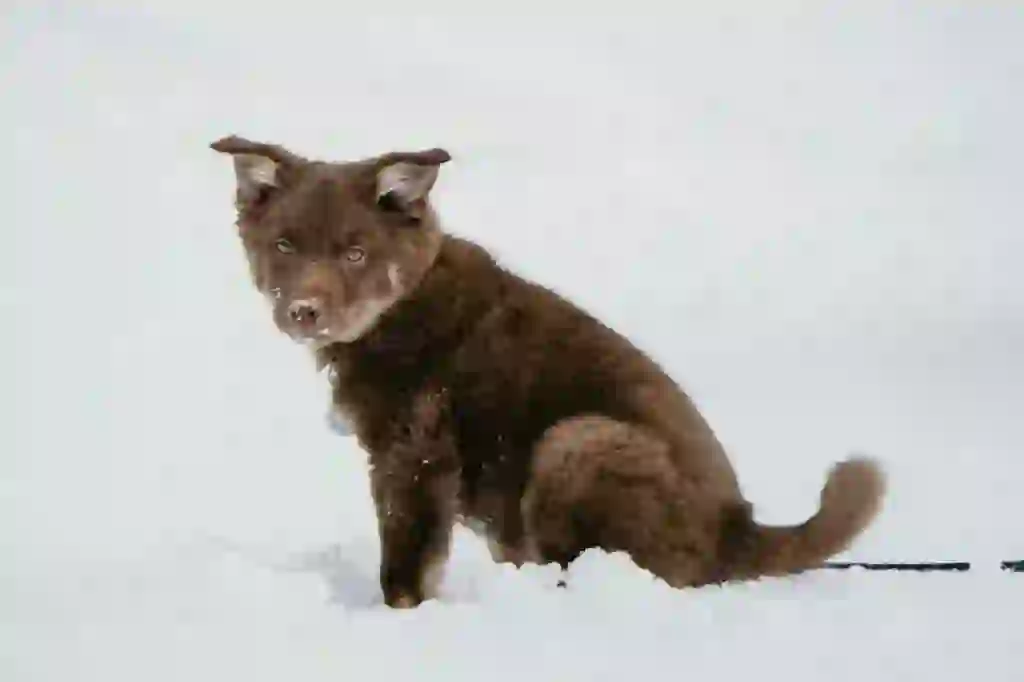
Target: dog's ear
<point>404,179</point>
<point>260,168</point>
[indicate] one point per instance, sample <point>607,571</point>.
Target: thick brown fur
<point>485,398</point>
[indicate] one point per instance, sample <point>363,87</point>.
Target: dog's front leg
<point>415,513</point>
<point>415,489</point>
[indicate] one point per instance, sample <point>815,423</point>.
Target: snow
<point>809,215</point>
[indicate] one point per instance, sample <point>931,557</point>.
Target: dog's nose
<point>305,312</point>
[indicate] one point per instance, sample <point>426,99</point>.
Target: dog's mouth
<point>318,334</point>
<point>306,322</point>
<point>316,338</point>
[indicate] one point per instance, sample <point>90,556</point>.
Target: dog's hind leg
<point>598,482</point>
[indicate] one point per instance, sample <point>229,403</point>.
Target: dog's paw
<point>404,601</point>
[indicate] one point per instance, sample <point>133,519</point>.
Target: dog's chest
<point>370,406</point>
<point>340,421</point>
<point>340,416</point>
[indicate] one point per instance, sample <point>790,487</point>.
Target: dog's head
<point>334,245</point>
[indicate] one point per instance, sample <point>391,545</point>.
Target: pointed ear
<point>404,179</point>
<point>260,168</point>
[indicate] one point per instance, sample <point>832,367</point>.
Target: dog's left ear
<point>404,179</point>
<point>260,168</point>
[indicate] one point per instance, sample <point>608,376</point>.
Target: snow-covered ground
<point>811,214</point>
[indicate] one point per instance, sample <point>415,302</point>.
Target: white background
<point>811,214</point>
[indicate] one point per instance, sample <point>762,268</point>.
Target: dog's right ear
<point>260,168</point>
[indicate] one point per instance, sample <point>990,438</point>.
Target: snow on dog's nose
<point>306,312</point>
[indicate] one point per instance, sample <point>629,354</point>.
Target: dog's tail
<point>850,500</point>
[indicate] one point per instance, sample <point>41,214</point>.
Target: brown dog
<point>485,398</point>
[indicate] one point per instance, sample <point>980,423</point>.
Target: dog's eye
<point>354,254</point>
<point>284,246</point>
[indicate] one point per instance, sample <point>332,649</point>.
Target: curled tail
<point>850,500</point>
